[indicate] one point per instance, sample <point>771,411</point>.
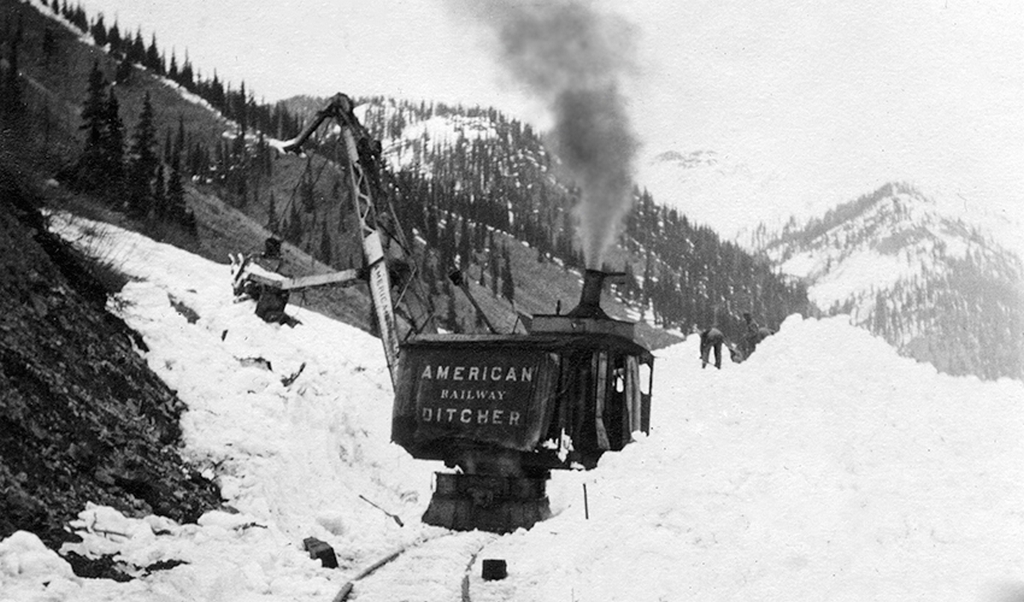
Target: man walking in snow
<point>711,338</point>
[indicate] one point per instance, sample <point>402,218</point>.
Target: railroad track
<point>433,570</point>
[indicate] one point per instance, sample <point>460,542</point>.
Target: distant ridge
<point>932,285</point>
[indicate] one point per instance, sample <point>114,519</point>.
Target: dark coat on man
<point>711,338</point>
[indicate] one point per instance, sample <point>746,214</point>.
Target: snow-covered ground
<point>826,467</point>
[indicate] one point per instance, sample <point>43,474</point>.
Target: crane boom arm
<point>340,108</point>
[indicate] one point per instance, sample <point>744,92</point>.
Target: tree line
<point>129,173</point>
<point>456,193</point>
<point>495,176</point>
<point>131,50</point>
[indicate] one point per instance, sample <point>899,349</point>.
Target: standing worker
<point>755,334</point>
<point>711,338</point>
<point>751,338</point>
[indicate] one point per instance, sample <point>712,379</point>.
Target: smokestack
<point>587,317</point>
<point>590,297</point>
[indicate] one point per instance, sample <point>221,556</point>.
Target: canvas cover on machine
<point>487,395</point>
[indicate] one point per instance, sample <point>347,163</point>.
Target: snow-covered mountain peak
<point>895,232</point>
<point>932,284</point>
<point>690,160</point>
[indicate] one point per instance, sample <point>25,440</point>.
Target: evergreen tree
<point>99,32</point>
<point>114,39</point>
<point>451,316</point>
<point>168,147</point>
<point>241,111</point>
<point>159,208</point>
<point>495,265</point>
<point>186,77</point>
<point>113,145</point>
<point>89,170</point>
<point>123,73</point>
<point>176,209</point>
<point>465,245</point>
<point>137,50</point>
<point>508,287</point>
<point>293,226</point>
<point>152,59</point>
<point>179,140</point>
<point>143,164</point>
<point>272,214</point>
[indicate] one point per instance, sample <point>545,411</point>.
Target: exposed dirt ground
<point>82,416</point>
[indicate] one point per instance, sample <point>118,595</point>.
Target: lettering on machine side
<point>482,416</point>
<point>478,373</point>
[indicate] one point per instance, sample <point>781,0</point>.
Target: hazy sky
<point>826,99</point>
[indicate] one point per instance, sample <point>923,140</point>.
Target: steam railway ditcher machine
<point>499,410</point>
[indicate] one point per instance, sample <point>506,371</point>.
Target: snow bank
<point>825,467</point>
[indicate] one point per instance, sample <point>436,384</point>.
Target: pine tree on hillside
<point>89,173</point>
<point>123,73</point>
<point>137,49</point>
<point>465,245</point>
<point>451,315</point>
<point>272,214</point>
<point>186,77</point>
<point>495,267</point>
<point>168,146</point>
<point>152,60</point>
<point>113,145</point>
<point>292,229</point>
<point>508,286</point>
<point>177,211</point>
<point>114,39</point>
<point>80,20</point>
<point>143,165</point>
<point>159,199</point>
<point>241,110</point>
<point>99,31</point>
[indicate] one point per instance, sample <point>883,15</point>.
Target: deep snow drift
<point>824,468</point>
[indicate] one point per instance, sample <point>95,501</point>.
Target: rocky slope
<point>83,417</point>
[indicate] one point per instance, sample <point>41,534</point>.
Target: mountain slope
<point>933,286</point>
<point>463,174</point>
<point>474,189</point>
<point>83,417</point>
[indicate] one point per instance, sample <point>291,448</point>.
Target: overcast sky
<point>830,99</point>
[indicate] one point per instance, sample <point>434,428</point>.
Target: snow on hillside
<point>900,236</point>
<point>404,151</point>
<point>826,467</point>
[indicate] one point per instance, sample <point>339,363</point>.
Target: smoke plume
<point>574,59</point>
